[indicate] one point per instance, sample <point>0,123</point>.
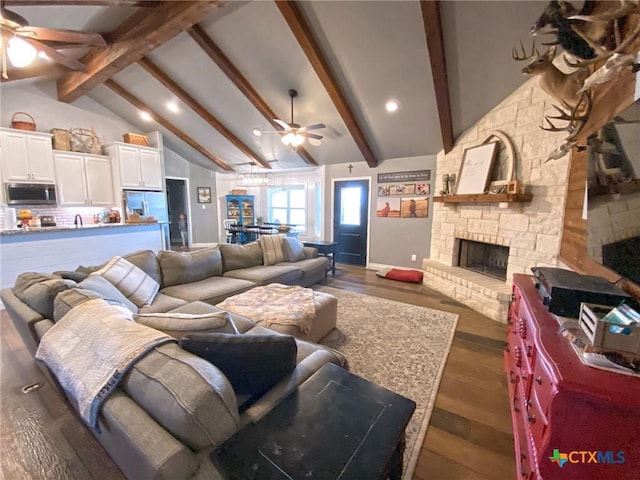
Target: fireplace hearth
<point>485,258</point>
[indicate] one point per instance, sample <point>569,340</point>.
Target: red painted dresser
<point>587,418</point>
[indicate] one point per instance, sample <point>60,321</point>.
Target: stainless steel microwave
<point>31,194</point>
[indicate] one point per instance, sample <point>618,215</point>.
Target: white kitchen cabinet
<point>27,156</point>
<point>84,179</point>
<point>139,167</point>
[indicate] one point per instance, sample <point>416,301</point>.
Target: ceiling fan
<point>293,135</point>
<point>20,42</point>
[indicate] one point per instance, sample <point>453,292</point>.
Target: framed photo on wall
<point>204,195</point>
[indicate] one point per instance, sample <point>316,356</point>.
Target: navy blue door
<point>351,221</point>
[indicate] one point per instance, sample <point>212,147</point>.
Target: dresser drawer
<point>536,419</point>
<point>543,386</point>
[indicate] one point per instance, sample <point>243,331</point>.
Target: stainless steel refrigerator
<point>148,204</point>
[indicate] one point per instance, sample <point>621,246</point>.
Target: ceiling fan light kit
<point>293,135</point>
<point>20,53</point>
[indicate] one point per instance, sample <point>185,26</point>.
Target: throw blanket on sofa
<point>275,303</point>
<point>90,349</point>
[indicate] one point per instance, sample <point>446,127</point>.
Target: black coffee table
<point>336,425</point>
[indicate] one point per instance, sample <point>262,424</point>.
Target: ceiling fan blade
<point>313,135</point>
<point>315,142</point>
<point>314,127</point>
<point>282,124</point>
<point>54,55</point>
<point>64,36</point>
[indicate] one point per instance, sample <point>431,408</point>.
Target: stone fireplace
<point>530,231</point>
<point>484,258</point>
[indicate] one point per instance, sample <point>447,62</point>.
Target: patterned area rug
<point>399,346</point>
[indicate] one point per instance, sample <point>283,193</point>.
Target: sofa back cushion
<point>179,268</point>
<point>70,298</point>
<point>179,324</point>
<point>38,291</point>
<point>133,282</point>
<point>185,394</point>
<point>272,252</point>
<point>240,256</point>
<point>146,261</point>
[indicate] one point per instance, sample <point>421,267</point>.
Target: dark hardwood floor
<point>469,436</point>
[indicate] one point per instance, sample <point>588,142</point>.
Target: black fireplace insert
<point>484,258</point>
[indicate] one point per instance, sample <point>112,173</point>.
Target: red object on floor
<point>414,276</point>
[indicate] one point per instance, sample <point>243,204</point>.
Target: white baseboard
<point>380,266</point>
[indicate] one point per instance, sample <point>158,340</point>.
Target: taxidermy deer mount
<point>593,37</point>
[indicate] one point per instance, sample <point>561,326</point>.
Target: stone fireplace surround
<point>532,230</point>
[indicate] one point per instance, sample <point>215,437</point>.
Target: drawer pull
<point>531,418</point>
<point>539,380</point>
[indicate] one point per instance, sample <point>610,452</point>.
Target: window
<point>287,205</point>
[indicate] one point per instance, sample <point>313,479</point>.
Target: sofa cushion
<point>263,274</point>
<point>162,303</point>
<point>133,282</point>
<point>185,394</point>
<point>38,290</point>
<point>293,249</point>
<point>179,268</point>
<point>70,298</point>
<point>146,261</point>
<point>104,287</point>
<point>240,256</point>
<point>310,267</point>
<point>179,324</point>
<point>237,323</point>
<point>252,363</point>
<point>272,252</point>
<point>68,275</point>
<point>210,290</point>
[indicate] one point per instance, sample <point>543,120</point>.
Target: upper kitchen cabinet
<point>84,179</point>
<point>139,167</point>
<point>27,156</point>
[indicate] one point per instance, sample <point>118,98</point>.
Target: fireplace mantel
<point>485,198</point>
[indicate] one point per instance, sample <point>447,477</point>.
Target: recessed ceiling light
<point>392,106</point>
<point>145,116</point>
<point>257,132</point>
<point>172,107</point>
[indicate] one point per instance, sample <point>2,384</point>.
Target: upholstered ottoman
<point>326,315</point>
<point>258,305</point>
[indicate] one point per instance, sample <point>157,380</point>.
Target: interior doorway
<point>177,203</point>
<point>351,220</point>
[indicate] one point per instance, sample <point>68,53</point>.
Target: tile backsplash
<point>64,215</point>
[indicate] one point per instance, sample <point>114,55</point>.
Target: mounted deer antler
<point>561,86</point>
<point>576,118</point>
<point>624,8</point>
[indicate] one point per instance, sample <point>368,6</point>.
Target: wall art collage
<point>403,200</point>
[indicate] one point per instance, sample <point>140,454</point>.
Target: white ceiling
<point>376,49</point>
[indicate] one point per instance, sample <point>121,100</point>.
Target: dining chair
<point>227,228</point>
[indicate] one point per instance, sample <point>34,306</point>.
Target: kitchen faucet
<point>75,221</point>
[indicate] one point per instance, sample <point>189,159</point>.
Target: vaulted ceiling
<point>229,67</point>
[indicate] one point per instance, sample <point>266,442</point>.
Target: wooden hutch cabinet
<point>561,406</point>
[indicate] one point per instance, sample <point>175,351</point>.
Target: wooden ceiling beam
<point>293,16</point>
<point>138,35</point>
<point>217,55</point>
<point>140,105</point>
<point>82,3</point>
<point>435,45</point>
<point>207,116</point>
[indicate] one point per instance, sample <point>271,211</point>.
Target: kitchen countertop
<point>72,228</point>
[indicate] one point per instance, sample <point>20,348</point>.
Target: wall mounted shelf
<point>485,198</point>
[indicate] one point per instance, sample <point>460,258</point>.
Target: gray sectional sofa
<point>173,408</point>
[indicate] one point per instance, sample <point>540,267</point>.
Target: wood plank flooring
<point>469,437</point>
